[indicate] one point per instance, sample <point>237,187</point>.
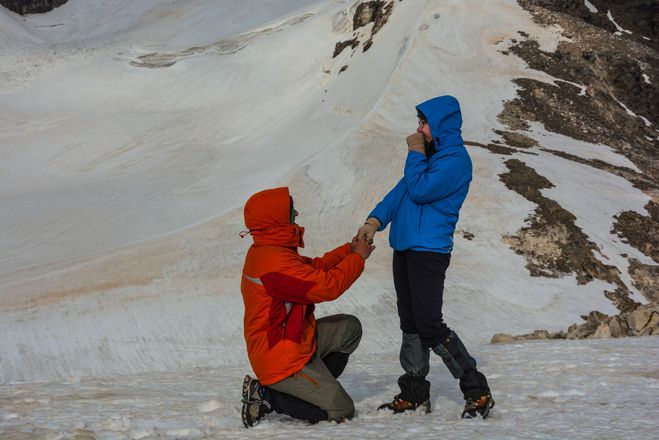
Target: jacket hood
<point>445,120</point>
<point>268,218</point>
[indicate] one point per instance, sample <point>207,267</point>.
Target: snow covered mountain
<point>133,132</point>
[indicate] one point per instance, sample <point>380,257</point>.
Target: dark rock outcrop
<point>640,17</point>
<point>376,12</point>
<point>640,231</point>
<point>552,242</point>
<point>617,74</point>
<point>31,6</point>
<point>353,43</point>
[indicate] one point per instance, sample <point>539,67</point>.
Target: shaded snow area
<point>588,389</point>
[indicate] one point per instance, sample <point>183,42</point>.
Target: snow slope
<point>122,185</point>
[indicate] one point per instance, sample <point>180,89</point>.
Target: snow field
<point>589,389</point>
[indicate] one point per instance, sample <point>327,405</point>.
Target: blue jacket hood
<point>445,120</point>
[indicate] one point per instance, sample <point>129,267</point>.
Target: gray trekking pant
<point>315,383</point>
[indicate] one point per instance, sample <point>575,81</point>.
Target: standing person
<point>296,358</point>
<point>423,209</point>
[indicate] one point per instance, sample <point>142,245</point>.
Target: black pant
<point>419,282</point>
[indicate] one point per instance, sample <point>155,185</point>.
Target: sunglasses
<point>422,122</point>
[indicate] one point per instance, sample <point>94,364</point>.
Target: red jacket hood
<point>268,218</point>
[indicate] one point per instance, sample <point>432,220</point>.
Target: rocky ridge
<point>31,6</point>
<point>605,92</point>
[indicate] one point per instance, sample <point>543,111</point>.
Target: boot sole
<point>244,410</point>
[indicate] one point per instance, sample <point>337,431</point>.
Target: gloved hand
<point>415,143</point>
<point>367,231</point>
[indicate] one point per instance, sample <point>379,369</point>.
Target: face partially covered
<point>424,129</point>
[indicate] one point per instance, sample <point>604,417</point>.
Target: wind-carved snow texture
<point>122,191</point>
<point>224,47</point>
<point>560,390</point>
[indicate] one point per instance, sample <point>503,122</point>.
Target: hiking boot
<point>399,405</point>
<point>479,407</point>
<point>254,407</point>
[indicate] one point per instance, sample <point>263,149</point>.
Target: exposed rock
<point>552,243</point>
<point>500,149</point>
<point>641,321</point>
<point>640,231</point>
<point>638,16</point>
<point>368,44</point>
<point>621,299</point>
<point>517,140</point>
<point>638,319</point>
<point>343,44</point>
<point>615,329</point>
<point>602,331</point>
<point>31,6</point>
<point>645,278</point>
<point>538,334</point>
<point>376,12</point>
<point>613,72</point>
<point>593,322</point>
<point>652,326</point>
<point>501,338</point>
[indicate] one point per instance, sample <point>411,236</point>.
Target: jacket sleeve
<point>296,281</point>
<point>384,211</point>
<point>331,258</point>
<point>431,180</point>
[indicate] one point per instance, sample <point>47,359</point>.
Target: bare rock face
<point>642,321</point>
<point>500,338</point>
<point>593,324</point>
<point>606,92</point>
<point>376,12</point>
<point>552,242</point>
<point>31,6</point>
<point>640,17</point>
<point>646,278</point>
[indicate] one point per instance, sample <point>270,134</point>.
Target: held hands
<point>415,143</point>
<point>362,247</point>
<point>367,231</point>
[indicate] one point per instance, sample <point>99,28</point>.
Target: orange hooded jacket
<point>280,287</point>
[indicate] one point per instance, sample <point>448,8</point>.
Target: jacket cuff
<point>344,251</point>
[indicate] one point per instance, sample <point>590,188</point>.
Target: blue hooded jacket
<point>423,207</point>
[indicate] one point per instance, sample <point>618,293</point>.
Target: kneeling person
<point>297,359</point>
